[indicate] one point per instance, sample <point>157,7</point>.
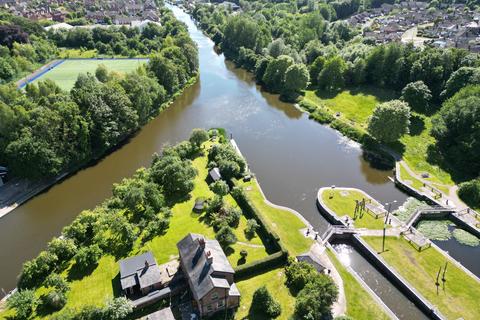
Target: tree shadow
<point>326,94</point>
<point>436,157</point>
<point>78,273</point>
<point>116,286</point>
<point>417,125</point>
<point>241,261</point>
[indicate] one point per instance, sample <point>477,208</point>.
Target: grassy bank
<point>286,224</point>
<point>274,280</point>
<point>354,106</point>
<point>461,294</point>
<point>343,202</point>
<point>360,304</point>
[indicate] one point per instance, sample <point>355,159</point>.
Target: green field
<point>66,73</point>
<point>458,299</point>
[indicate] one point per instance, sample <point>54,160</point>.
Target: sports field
<point>65,74</point>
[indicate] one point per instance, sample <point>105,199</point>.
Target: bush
<point>35,271</point>
<point>251,228</point>
<point>315,300</point>
<point>469,192</point>
<point>88,256</point>
<point>225,236</point>
<point>56,300</point>
<point>244,253</point>
<point>220,188</point>
<point>56,281</point>
<point>262,265</point>
<point>264,304</point>
<point>64,249</point>
<point>322,116</point>
<point>299,274</point>
<point>24,302</point>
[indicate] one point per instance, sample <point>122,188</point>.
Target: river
<point>291,156</point>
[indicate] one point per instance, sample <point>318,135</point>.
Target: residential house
<point>209,274</point>
<point>140,274</point>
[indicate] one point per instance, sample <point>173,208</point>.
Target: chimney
<point>201,242</point>
<point>146,264</point>
<point>209,257</point>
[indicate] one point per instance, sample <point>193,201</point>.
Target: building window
<point>209,308</point>
<point>215,296</point>
<point>221,304</point>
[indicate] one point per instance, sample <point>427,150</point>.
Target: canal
<point>291,156</point>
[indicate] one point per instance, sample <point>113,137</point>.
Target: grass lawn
<point>360,304</point>
<point>66,73</point>
<point>274,280</point>
<point>343,203</point>
<point>77,53</point>
<point>462,293</point>
<point>286,224</point>
<point>355,105</point>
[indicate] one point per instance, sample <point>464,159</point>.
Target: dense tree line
<point>45,130</point>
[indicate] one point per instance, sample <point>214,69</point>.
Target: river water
<point>291,156</point>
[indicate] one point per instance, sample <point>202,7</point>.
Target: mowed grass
<point>461,295</point>
<point>274,280</point>
<point>286,224</point>
<point>360,304</point>
<point>355,105</point>
<point>342,202</point>
<point>67,73</point>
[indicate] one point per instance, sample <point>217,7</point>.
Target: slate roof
<point>215,174</point>
<point>203,275</point>
<point>133,271</point>
<point>164,314</point>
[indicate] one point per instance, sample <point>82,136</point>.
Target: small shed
<point>215,174</point>
<point>199,205</point>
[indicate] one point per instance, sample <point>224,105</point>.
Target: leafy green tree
<point>332,75</point>
<point>242,31</point>
<point>102,73</point>
<point>166,72</point>
<point>276,48</point>
<point>459,79</point>
<point>220,187</point>
<point>174,175</point>
<point>87,257</point>
<point>274,77</point>
<point>417,95</point>
<point>24,302</point>
<point>296,78</point>
<point>63,248</point>
<point>263,303</point>
<point>315,69</point>
<point>389,121</point>
<point>55,300</point>
<point>299,274</point>
<point>469,192</point>
<point>226,236</point>
<point>456,127</point>
<point>251,228</point>
<point>54,280</point>
<point>315,300</point>
<point>118,309</point>
<point>197,137</point>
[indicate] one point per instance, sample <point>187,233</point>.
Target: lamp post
<point>332,189</point>
<point>385,224</point>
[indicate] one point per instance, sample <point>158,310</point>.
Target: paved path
<point>251,245</point>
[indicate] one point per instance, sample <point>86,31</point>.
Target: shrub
<point>315,300</point>
<point>220,188</point>
<point>64,249</point>
<point>225,236</point>
<point>299,274</point>
<point>55,299</point>
<point>24,302</point>
<point>86,257</point>
<point>56,281</point>
<point>263,303</point>
<point>252,226</point>
<point>322,116</point>
<point>197,137</point>
<point>469,192</point>
<point>262,265</point>
<point>35,271</point>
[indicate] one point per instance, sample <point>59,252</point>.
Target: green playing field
<point>67,72</point>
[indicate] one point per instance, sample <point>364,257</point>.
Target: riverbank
<point>18,191</point>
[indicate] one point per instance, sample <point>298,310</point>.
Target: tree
<point>174,175</point>
<point>54,280</point>
<point>220,187</point>
<point>251,228</point>
<point>389,121</point>
<point>55,299</point>
<point>63,248</point>
<point>456,127</point>
<point>226,236</point>
<point>296,78</point>
<point>314,301</point>
<point>469,192</point>
<point>299,274</point>
<point>197,137</point>
<point>274,77</point>
<point>264,304</point>
<point>102,73</point>
<point>276,48</point>
<point>315,69</point>
<point>86,257</point>
<point>24,302</point>
<point>117,309</point>
<point>459,79</point>
<point>417,95</point>
<point>332,75</point>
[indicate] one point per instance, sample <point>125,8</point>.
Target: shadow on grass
<point>78,273</point>
<point>381,94</point>
<point>241,261</point>
<point>116,286</point>
<point>436,157</point>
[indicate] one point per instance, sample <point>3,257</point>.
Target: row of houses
<point>121,12</point>
<point>452,26</point>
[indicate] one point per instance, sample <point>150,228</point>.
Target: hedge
<point>273,242</point>
<point>260,266</point>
